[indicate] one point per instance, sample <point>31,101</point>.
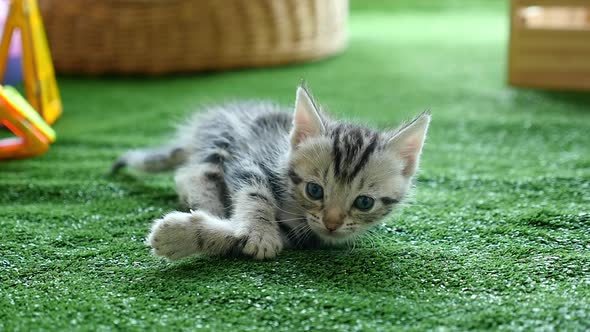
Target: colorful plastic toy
<point>39,77</point>
<point>33,134</point>
<point>32,131</point>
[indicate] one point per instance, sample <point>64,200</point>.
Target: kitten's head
<point>347,177</point>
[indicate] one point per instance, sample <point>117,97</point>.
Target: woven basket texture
<point>167,36</point>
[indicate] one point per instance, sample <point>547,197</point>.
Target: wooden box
<point>550,44</point>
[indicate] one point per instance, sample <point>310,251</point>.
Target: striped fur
<point>352,146</point>
<point>242,169</point>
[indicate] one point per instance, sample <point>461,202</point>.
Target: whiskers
<point>359,239</point>
<point>292,219</point>
<point>300,234</point>
<point>298,210</point>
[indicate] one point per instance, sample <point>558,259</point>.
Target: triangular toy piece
<point>39,77</point>
<point>33,134</point>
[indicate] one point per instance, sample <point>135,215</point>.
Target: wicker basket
<point>165,36</point>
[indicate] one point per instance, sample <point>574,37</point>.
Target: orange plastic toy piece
<point>33,134</point>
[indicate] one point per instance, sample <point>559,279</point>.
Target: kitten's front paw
<point>265,245</point>
<point>175,235</point>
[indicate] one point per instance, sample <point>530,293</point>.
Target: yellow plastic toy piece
<point>33,134</point>
<point>39,76</point>
<point>28,112</point>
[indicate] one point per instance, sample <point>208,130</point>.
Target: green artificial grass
<point>498,236</point>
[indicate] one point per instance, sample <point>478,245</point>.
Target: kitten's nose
<point>333,219</point>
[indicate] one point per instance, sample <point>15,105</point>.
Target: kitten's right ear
<point>306,118</point>
<point>407,143</point>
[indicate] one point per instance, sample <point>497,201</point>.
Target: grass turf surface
<point>498,237</point>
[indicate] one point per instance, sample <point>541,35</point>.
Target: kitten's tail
<point>151,160</point>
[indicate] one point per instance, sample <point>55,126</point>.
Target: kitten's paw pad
<point>175,236</point>
<point>263,246</point>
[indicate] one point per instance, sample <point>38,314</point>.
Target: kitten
<point>257,179</point>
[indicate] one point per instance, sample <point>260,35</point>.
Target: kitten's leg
<point>201,186</point>
<point>252,230</point>
<point>180,234</point>
<point>255,212</point>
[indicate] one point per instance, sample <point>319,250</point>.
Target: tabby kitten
<point>257,179</point>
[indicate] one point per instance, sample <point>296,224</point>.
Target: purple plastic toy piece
<point>14,72</point>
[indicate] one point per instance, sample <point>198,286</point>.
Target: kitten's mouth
<point>318,228</point>
<point>334,235</point>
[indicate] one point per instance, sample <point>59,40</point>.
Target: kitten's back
<point>236,132</point>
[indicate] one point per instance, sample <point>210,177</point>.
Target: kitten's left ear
<point>407,143</point>
<point>307,121</point>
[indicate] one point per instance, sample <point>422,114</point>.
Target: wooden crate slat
<point>557,3</point>
<point>551,62</point>
<point>556,80</point>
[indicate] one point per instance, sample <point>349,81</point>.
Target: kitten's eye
<point>364,203</point>
<point>314,191</point>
